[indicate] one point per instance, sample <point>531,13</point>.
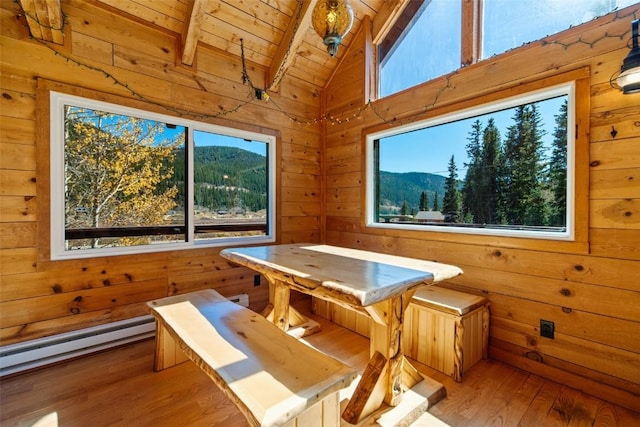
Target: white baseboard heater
<point>20,357</point>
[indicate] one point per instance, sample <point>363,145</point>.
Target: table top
<point>361,277</point>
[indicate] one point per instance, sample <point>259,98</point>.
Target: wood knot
<point>567,309</point>
<point>578,267</point>
<point>595,163</point>
<point>497,253</point>
<point>565,291</point>
<point>57,289</point>
<point>534,355</point>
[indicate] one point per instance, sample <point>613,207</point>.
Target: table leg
<point>285,317</point>
<point>388,374</point>
<point>382,380</point>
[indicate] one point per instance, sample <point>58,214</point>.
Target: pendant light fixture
<point>629,78</point>
<point>332,20</point>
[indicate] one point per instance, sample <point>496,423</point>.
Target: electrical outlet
<point>256,280</point>
<point>547,328</point>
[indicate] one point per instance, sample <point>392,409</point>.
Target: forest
<point>510,180</point>
<point>225,178</point>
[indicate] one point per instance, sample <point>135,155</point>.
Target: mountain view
<point>399,188</point>
<point>227,178</point>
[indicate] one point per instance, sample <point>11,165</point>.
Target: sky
<point>423,55</point>
<point>204,139</point>
<point>429,150</point>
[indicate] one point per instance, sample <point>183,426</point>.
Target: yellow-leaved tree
<point>119,172</point>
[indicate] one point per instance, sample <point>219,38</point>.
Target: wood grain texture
<point>269,375</point>
<point>135,42</point>
<point>364,278</point>
<point>587,288</point>
<point>120,387</point>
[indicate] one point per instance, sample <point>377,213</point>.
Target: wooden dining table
<point>379,285</point>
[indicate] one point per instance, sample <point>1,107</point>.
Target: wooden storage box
<point>445,329</point>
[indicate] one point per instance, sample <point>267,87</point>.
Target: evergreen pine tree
<point>486,210</point>
<point>451,204</point>
<point>524,203</point>
<point>471,194</point>
<point>558,170</point>
<point>424,201</point>
<point>404,210</point>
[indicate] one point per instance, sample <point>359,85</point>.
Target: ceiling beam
<point>290,43</point>
<point>386,18</point>
<point>191,30</point>
<point>45,19</point>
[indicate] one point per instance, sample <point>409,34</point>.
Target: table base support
<point>299,325</point>
<point>415,403</point>
<point>367,400</point>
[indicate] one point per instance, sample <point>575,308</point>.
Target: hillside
<point>395,188</point>
<point>227,177</point>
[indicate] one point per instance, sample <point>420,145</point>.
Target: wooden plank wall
<point>591,292</point>
<point>44,298</point>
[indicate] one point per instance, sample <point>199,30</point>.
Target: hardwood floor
<point>120,388</point>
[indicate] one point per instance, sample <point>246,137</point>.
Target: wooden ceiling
<point>276,34</point>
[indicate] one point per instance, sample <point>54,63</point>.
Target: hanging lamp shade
<point>629,78</point>
<point>332,20</point>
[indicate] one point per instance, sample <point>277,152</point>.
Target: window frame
<point>578,239</point>
<point>57,99</point>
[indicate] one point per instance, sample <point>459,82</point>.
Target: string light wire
<point>257,93</point>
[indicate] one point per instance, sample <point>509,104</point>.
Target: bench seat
<point>270,376</point>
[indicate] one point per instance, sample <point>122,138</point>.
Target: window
<point>504,168</point>
<point>128,181</point>
<point>405,59</point>
<point>509,24</point>
<point>426,41</point>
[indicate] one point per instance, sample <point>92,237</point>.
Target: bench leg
<point>458,350</point>
<point>485,331</point>
<point>168,352</point>
<point>325,413</point>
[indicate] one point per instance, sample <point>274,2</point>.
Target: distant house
<point>429,216</point>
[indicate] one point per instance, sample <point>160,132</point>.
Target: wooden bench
<point>271,377</point>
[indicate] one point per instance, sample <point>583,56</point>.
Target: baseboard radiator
<point>15,358</point>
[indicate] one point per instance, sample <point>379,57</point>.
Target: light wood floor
<point>120,388</point>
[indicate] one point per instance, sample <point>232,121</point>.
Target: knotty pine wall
<point>591,289</point>
<point>40,298</point>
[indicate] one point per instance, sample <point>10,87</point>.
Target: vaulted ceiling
<point>276,35</point>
